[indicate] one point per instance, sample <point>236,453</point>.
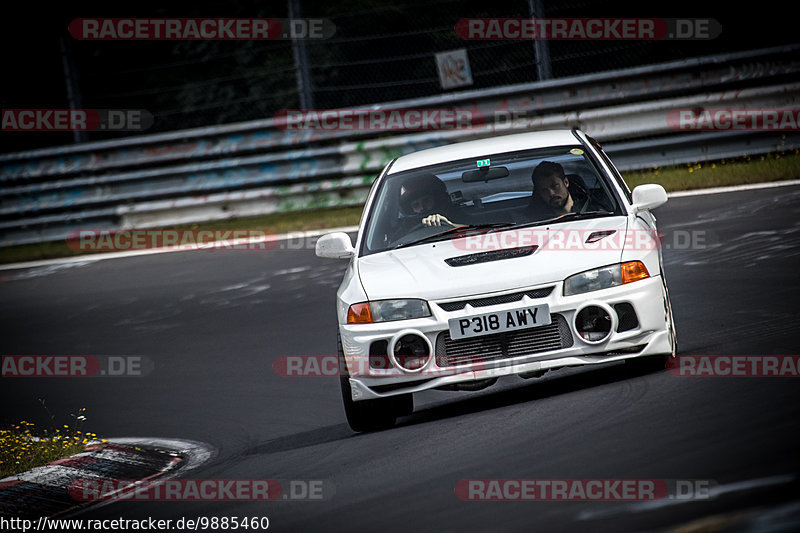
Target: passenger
<point>551,193</point>
<point>555,194</point>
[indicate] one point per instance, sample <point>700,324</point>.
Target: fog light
<point>410,351</point>
<point>378,355</point>
<point>593,324</point>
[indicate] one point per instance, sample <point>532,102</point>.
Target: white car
<point>517,254</point>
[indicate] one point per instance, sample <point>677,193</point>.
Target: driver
<point>423,201</point>
<point>426,194</point>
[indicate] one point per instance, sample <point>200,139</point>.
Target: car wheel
<point>370,415</point>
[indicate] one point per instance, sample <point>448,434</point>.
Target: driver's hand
<point>435,220</point>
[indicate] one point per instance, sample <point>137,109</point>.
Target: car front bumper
<point>649,336</point>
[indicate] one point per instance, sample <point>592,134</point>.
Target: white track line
<point>733,188</point>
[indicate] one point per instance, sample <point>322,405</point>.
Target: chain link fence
<point>380,52</point>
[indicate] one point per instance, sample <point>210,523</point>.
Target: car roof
<point>484,147</point>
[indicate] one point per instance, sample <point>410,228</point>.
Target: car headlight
<point>387,311</point>
<point>605,277</point>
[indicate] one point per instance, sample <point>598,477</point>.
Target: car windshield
<point>492,192</point>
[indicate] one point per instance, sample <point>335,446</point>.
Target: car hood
<point>421,271</point>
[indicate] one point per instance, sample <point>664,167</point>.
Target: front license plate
<point>489,323</point>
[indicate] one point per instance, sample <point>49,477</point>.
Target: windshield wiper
<point>566,216</point>
<point>438,236</point>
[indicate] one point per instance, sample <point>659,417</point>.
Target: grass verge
<point>739,171</point>
<point>725,172</point>
<point>23,446</point>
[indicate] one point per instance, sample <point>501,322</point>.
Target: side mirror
<point>649,196</point>
<point>335,246</point>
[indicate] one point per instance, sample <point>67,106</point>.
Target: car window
<point>488,190</point>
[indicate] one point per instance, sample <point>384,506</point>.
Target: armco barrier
<point>257,167</point>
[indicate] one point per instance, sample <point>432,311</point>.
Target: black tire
<point>370,415</point>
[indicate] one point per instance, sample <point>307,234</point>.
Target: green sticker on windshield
<point>484,163</point>
<point>576,151</point>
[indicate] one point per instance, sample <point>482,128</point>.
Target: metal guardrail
<point>257,167</point>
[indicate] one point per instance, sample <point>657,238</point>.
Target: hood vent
<point>493,255</point>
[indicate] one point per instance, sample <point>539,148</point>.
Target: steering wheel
<point>412,233</point>
<point>416,227</point>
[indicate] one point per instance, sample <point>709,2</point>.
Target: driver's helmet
<point>424,194</point>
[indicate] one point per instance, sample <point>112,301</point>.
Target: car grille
<point>553,336</point>
<point>496,300</point>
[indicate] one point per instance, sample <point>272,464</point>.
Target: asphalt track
<point>213,322</point>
